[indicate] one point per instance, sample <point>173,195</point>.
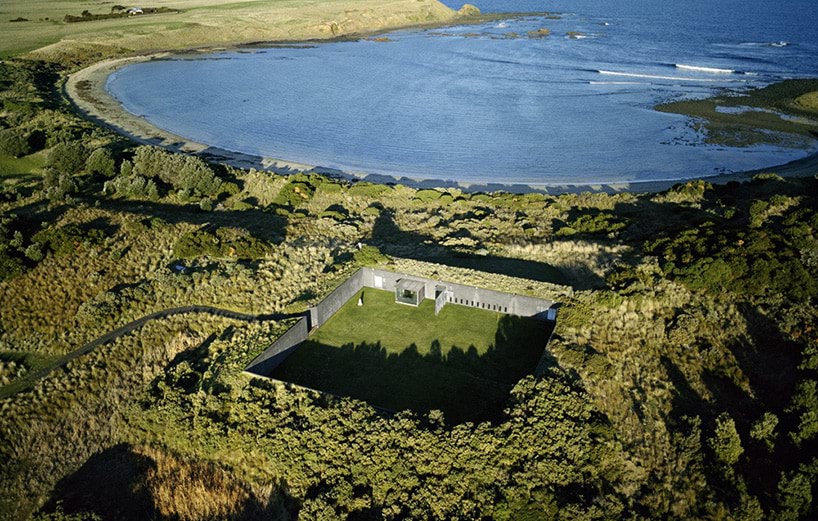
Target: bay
<point>474,104</point>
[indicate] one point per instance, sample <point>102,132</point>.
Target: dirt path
<point>27,381</point>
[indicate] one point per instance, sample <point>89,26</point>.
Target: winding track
<point>31,378</point>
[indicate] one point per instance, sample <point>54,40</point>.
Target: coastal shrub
<point>101,162</point>
<point>225,242</point>
<point>331,187</point>
<point>690,192</point>
<point>294,194</point>
<point>132,186</point>
<point>10,264</point>
<point>34,252</point>
<point>335,212</point>
<point>372,211</point>
<point>229,188</point>
<point>369,255</point>
<point>763,429</point>
<point>195,244</point>
<point>427,196</point>
<point>126,168</point>
<point>57,185</point>
<point>68,239</point>
<point>241,206</point>
<point>368,190</point>
<point>14,142</point>
<point>592,223</point>
<point>67,158</point>
<point>183,172</point>
<point>764,177</point>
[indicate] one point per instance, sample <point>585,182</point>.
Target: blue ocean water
<point>470,104</point>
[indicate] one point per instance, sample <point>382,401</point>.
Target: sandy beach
<point>86,88</point>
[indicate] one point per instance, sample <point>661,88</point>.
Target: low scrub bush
<point>132,186</point>
<point>101,162</point>
<point>14,142</point>
<point>295,193</point>
<point>67,158</point>
<point>68,239</point>
<point>225,242</point>
<point>183,172</point>
<point>368,190</point>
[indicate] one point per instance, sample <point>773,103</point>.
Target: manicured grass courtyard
<point>463,361</point>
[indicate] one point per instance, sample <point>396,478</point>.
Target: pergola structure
<point>409,291</point>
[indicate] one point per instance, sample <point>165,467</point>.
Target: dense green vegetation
<point>462,362</point>
<point>681,382</point>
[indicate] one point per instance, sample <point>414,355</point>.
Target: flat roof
<point>411,285</point>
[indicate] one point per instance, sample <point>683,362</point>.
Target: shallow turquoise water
<point>445,104</point>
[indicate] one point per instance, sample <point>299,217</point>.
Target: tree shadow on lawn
<point>463,384</point>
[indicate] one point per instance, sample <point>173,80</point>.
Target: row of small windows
<point>483,305</point>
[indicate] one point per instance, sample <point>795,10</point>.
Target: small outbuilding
<point>409,291</point>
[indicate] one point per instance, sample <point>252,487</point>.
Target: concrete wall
<point>333,302</point>
<point>272,357</point>
<point>519,305</point>
<point>459,294</point>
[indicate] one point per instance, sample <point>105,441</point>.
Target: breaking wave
<point>660,77</point>
<point>618,83</point>
<point>710,70</point>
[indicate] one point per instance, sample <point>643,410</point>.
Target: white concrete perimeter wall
<point>333,302</point>
<point>460,294</point>
<point>264,363</point>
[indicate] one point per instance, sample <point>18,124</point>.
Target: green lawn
<point>28,165</point>
<point>463,362</point>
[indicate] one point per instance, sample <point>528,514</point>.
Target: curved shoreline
<point>86,89</point>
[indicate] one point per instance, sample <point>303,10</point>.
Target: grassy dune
<point>45,35</point>
<point>757,115</point>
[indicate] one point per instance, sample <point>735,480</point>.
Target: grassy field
<point>463,361</point>
<point>31,164</point>
<point>40,24</point>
